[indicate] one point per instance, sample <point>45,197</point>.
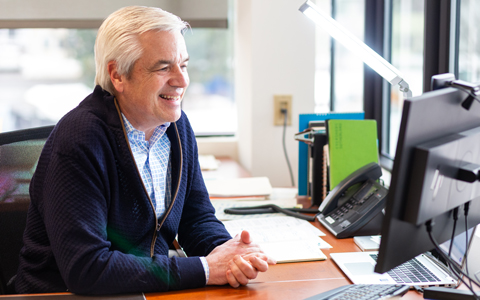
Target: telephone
<point>355,206</point>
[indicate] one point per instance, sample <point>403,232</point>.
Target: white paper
<point>239,187</point>
<point>286,239</point>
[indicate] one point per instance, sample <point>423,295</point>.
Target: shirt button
<point>157,189</point>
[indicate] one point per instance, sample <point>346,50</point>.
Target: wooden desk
<point>284,281</point>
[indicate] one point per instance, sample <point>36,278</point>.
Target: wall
<point>275,48</point>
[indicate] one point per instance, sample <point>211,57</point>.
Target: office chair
<point>19,153</point>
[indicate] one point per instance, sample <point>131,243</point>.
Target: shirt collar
<point>137,135</point>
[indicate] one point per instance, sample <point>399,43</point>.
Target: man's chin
<point>175,117</point>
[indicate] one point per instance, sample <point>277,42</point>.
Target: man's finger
<point>259,264</point>
<point>245,237</point>
<point>270,260</point>
<point>231,279</point>
<point>262,257</point>
<point>242,270</point>
<point>246,267</point>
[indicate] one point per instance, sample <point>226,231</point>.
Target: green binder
<point>351,145</point>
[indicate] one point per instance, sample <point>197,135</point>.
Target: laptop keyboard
<point>411,271</point>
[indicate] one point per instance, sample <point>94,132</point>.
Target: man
<point>119,178</point>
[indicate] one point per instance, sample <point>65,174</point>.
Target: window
<point>322,64</point>
<point>209,100</point>
<point>405,45</point>
<point>407,56</point>
<point>469,42</point>
<point>348,71</point>
<point>339,72</point>
<point>45,72</point>
<point>452,46</point>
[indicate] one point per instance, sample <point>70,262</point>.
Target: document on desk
<point>208,162</point>
<point>249,187</point>
<point>286,239</point>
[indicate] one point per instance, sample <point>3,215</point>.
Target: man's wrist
<point>203,259</point>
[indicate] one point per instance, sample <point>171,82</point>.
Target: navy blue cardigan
<point>91,227</point>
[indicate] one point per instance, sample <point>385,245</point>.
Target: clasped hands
<point>237,261</point>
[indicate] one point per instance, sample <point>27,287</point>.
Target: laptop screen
<point>459,247</point>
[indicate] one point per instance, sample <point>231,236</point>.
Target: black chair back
<point>19,153</point>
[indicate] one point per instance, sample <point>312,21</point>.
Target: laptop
<point>358,267</point>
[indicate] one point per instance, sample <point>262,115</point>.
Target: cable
<point>466,208</point>
<point>454,268</point>
<point>272,208</point>
<point>284,111</point>
<point>455,218</point>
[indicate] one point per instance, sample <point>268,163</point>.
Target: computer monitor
<point>432,142</point>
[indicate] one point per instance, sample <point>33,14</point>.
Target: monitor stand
<point>442,293</point>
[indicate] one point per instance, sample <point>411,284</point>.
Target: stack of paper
<point>248,188</point>
<point>208,162</point>
<point>286,239</point>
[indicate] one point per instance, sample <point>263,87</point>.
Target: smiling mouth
<point>172,98</point>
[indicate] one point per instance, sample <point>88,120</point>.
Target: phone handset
<point>369,171</point>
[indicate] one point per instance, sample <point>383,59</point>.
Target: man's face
<point>152,94</point>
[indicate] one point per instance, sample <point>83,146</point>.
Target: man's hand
<point>237,261</point>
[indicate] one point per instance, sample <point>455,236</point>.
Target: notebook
<point>358,266</point>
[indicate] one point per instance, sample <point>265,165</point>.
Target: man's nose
<point>179,77</point>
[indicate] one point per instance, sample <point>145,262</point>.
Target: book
<point>352,144</point>
<point>286,239</point>
<point>303,157</point>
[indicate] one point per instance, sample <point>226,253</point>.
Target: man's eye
<point>161,69</point>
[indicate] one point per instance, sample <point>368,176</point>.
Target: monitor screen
<point>429,122</point>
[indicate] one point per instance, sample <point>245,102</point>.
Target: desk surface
<point>284,281</point>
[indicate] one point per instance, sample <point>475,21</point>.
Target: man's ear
<point>115,77</point>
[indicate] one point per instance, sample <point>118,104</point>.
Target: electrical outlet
<point>282,102</point>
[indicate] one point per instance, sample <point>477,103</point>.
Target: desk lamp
<point>351,42</point>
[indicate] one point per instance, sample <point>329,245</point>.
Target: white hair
<point>117,39</point>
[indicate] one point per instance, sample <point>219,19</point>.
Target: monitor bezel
<point>424,118</point>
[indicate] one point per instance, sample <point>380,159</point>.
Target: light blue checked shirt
<point>153,162</point>
<point>152,158</point>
